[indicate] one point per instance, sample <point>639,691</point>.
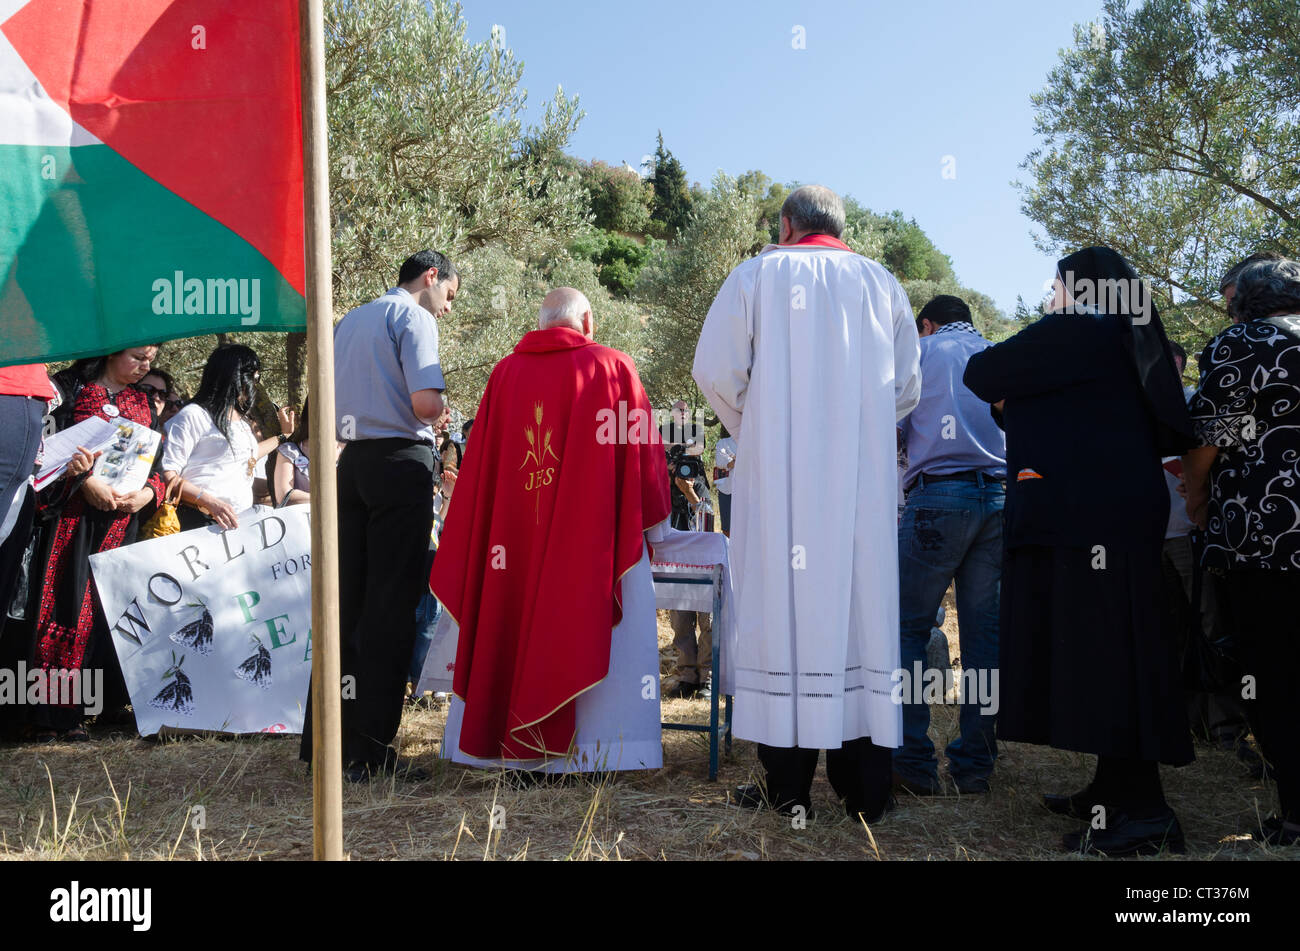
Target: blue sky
<point>880,94</point>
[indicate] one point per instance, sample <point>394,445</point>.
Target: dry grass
<point>121,797</point>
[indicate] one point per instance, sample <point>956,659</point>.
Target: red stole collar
<point>822,241</point>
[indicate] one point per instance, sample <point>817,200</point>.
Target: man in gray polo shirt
<point>389,385</point>
<point>951,530</point>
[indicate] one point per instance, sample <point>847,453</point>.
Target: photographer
<point>692,512</point>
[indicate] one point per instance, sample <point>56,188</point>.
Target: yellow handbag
<point>165,521</point>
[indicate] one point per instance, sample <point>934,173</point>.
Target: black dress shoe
<point>976,786</point>
<point>1256,768</point>
<point>1076,805</point>
<point>404,770</point>
<point>752,796</point>
<point>1272,832</point>
<point>356,773</point>
<point>870,815</point>
<point>916,787</point>
<point>1125,835</point>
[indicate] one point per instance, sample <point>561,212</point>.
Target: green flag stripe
<point>97,256</point>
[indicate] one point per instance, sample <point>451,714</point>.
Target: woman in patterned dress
<point>71,633</point>
<point>1243,490</point>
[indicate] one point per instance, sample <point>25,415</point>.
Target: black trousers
<point>859,771</point>
<point>1215,716</point>
<point>1130,786</point>
<point>385,493</point>
<point>1260,614</point>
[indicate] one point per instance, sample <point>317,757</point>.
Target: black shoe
<point>868,815</point>
<point>1077,805</point>
<point>917,787</point>
<point>1130,836</point>
<point>683,691</point>
<point>1272,832</point>
<point>975,786</point>
<point>356,773</point>
<point>1254,763</point>
<point>404,770</point>
<point>532,778</point>
<point>752,796</point>
<point>119,716</point>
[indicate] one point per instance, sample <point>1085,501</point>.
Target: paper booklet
<point>128,451</point>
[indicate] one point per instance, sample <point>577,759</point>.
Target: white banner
<point>212,628</point>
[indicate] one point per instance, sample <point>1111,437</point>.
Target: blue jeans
<point>426,622</point>
<point>951,530</point>
<point>20,438</point>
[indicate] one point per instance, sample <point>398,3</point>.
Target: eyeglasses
<point>152,391</point>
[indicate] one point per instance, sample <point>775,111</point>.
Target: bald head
<point>566,307</point>
<point>812,209</point>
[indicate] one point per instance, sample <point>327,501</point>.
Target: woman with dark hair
<point>82,516</point>
<point>210,444</point>
<point>1090,401</point>
<point>159,386</point>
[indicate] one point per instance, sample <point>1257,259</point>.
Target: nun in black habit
<point>1090,400</point>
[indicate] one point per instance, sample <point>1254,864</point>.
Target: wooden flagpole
<point>326,675</point>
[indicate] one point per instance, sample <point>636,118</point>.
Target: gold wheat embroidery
<point>539,450</point>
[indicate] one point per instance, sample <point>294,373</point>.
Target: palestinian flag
<point>150,173</point>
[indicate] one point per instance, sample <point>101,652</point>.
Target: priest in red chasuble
<point>543,562</point>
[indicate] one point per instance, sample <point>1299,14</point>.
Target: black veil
<point>1101,276</point>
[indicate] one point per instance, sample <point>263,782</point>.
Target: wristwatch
<point>283,438</point>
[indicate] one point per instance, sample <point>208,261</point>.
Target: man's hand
<point>98,494</point>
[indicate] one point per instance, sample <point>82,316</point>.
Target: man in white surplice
<point>809,356</point>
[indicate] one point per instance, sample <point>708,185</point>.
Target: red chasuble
<point>563,472</point>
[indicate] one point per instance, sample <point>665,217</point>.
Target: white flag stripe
<point>28,116</point>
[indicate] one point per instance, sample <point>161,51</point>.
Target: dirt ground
<point>122,797</point>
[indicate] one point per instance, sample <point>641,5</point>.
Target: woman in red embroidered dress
<point>71,631</point>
